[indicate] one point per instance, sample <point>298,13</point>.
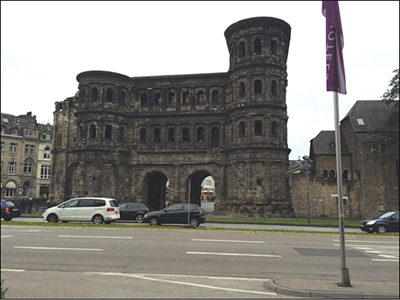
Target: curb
<point>272,286</point>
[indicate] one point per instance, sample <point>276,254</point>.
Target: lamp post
<point>308,164</point>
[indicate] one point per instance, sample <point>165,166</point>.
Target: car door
<point>171,214</point>
<point>67,211</point>
<point>132,210</point>
<point>85,210</point>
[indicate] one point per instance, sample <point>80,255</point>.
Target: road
<point>137,262</point>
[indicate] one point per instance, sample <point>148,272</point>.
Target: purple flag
<point>335,77</point>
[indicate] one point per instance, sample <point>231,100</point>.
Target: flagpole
<point>345,276</point>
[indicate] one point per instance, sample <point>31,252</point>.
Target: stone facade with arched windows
<point>182,128</point>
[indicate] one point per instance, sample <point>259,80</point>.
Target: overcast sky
<point>44,45</point>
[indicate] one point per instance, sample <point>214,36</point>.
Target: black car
<point>177,214</point>
<point>9,210</point>
<point>133,211</point>
<point>388,222</point>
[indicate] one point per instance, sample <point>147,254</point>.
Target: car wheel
<point>97,219</point>
<point>153,221</point>
<point>381,229</point>
<point>194,222</point>
<point>52,218</point>
<point>7,219</point>
<point>139,218</point>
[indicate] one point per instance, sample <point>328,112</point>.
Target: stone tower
<point>125,137</point>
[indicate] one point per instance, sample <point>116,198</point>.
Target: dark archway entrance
<point>155,185</point>
<point>195,188</point>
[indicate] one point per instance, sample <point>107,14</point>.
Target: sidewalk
<point>326,288</point>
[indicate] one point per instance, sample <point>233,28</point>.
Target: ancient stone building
<point>370,166</point>
<point>125,137</point>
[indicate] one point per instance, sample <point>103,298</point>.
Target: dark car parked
<point>134,211</point>
<point>177,214</point>
<point>9,210</point>
<point>388,222</point>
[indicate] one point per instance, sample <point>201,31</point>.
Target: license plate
<point>15,209</point>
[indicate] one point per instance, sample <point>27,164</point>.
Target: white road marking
<point>12,270</point>
<point>233,254</point>
<point>27,230</point>
<point>142,276</point>
<point>95,237</point>
<point>228,241</point>
<point>384,259</point>
<point>369,246</point>
<point>53,248</point>
<point>356,241</point>
<point>6,236</point>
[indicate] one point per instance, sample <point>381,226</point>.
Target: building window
<point>325,173</point>
<point>110,95</point>
<point>122,97</point>
<point>142,135</point>
<point>25,189</point>
<point>11,167</point>
<point>215,137</point>
<point>274,88</point>
<point>26,149</point>
<point>32,149</point>
<point>157,135</point>
<point>257,127</point>
<point>185,134</point>
<point>143,100</point>
<point>9,192</point>
<point>242,49</point>
<point>14,131</point>
<point>200,134</point>
<point>45,172</point>
<point>257,87</point>
<point>94,94</point>
<point>47,153</point>
<point>59,141</point>
<point>157,99</point>
<point>345,175</point>
<point>27,168</point>
<point>171,96</point>
<point>107,133</point>
<point>215,96</point>
<point>92,131</point>
<point>2,146</point>
<point>242,128</point>
<point>331,173</point>
<point>274,47</point>
<point>13,149</point>
<point>184,98</point>
<point>257,46</point>
<point>274,128</point>
<point>171,135</point>
<point>122,134</point>
<point>81,132</point>
<point>242,89</point>
<point>199,96</point>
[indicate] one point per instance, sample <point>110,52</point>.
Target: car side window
<point>86,203</point>
<point>174,207</point>
<point>395,216</point>
<point>132,206</point>
<point>72,203</point>
<point>99,203</point>
<point>123,206</point>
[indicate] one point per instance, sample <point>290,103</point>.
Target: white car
<point>87,209</point>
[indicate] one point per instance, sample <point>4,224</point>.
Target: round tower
<point>258,154</point>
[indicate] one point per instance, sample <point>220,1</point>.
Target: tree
<point>390,96</point>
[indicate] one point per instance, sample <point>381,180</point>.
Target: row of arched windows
<point>257,47</point>
<point>332,174</point>
<point>111,96</point>
<point>186,99</point>
<point>257,128</point>
<point>107,132</point>
<point>258,88</point>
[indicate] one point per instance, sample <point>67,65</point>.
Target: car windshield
<point>386,215</point>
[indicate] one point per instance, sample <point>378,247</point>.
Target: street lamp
<point>307,162</point>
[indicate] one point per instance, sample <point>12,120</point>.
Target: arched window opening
<point>171,135</point>
<point>215,137</point>
<point>185,96</point>
<point>242,89</point>
<point>257,87</point>
<point>331,173</point>
<point>274,47</point>
<point>199,94</point>
<point>345,175</point>
<point>257,46</point>
<point>82,95</point>
<point>110,95</point>
<point>47,153</point>
<point>257,127</point>
<point>157,99</point>
<point>215,96</point>
<point>171,96</point>
<point>325,173</point>
<point>81,132</point>
<point>92,131</point>
<point>200,134</point>
<point>157,135</point>
<point>122,98</point>
<point>274,128</point>
<point>242,129</point>
<point>122,134</point>
<point>143,100</point>
<point>94,94</point>
<point>107,134</point>
<point>142,135</point>
<point>274,88</point>
<point>242,49</point>
<point>59,141</point>
<point>26,189</point>
<point>185,134</point>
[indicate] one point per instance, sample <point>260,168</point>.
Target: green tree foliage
<point>390,96</point>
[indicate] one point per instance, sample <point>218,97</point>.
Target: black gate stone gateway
<point>126,137</point>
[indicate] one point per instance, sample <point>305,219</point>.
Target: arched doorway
<point>155,185</point>
<point>195,186</point>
